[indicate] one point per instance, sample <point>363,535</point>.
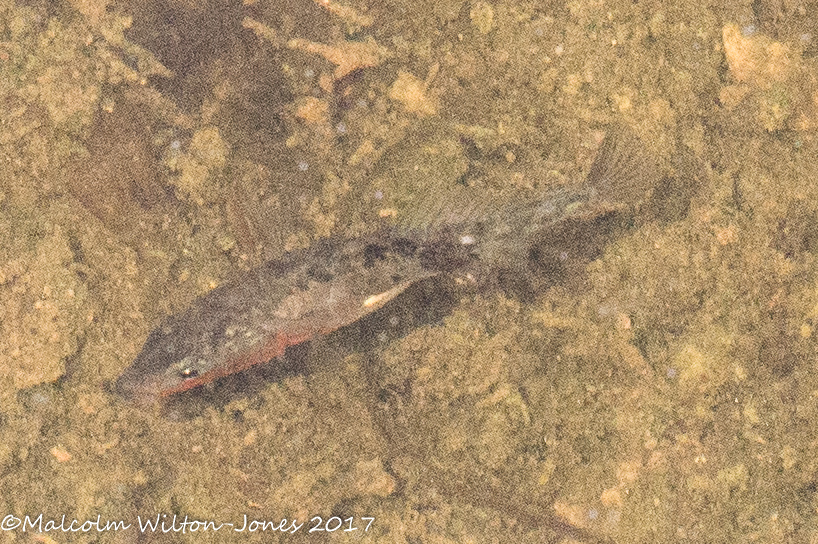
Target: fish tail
<point>621,177</point>
<point>503,228</point>
<point>623,173</point>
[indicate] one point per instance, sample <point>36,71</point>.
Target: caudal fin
<point>623,173</point>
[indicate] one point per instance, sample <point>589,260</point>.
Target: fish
<point>314,291</point>
<point>258,315</point>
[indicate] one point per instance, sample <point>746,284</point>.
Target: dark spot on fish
<point>372,254</point>
<point>404,247</point>
<point>319,273</point>
<point>445,256</point>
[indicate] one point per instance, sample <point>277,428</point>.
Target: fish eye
<point>188,373</point>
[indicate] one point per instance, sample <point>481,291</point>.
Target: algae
<point>664,392</point>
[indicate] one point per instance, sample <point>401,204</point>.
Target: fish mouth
<point>136,389</point>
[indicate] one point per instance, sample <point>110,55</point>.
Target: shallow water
<point>652,384</point>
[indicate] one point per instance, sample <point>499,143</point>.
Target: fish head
<point>168,363</point>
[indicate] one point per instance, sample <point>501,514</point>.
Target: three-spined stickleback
<point>337,281</point>
<point>254,318</point>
